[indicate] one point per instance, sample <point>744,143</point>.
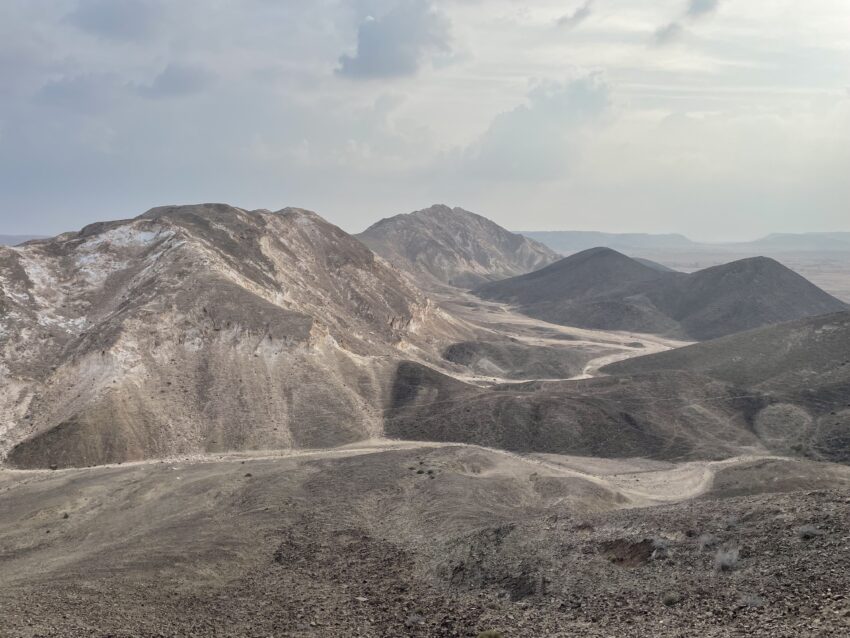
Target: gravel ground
<point>372,545</point>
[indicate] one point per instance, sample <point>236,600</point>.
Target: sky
<point>719,119</point>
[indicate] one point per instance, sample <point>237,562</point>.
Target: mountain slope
<point>654,265</point>
<point>453,246</point>
<point>597,271</point>
<point>596,288</point>
<point>804,366</point>
<point>745,294</point>
<point>601,288</point>
<point>670,416</point>
<point>782,389</point>
<point>198,328</point>
<point>791,356</point>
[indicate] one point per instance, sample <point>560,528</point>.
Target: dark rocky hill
<point>803,366</point>
<point>654,264</point>
<point>601,288</point>
<point>670,416</point>
<point>784,355</point>
<point>744,294</point>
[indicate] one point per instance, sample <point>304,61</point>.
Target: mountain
<point>598,288</point>
<point>603,289</point>
<point>782,389</point>
<point>797,354</point>
<point>591,272</point>
<point>198,329</point>
<point>744,294</point>
<point>453,246</point>
<point>665,415</point>
<point>14,240</point>
<point>572,241</point>
<point>804,365</point>
<point>654,264</point>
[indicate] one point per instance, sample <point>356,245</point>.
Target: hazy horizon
<point>355,230</point>
<point>721,120</point>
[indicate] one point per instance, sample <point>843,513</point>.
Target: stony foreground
<point>417,541</point>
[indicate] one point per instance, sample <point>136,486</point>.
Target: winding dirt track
<point>660,483</point>
<point>503,321</point>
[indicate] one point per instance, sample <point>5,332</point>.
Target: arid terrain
<point>442,245</point>
<point>829,271</point>
<point>222,422</point>
<point>602,288</point>
<point>822,258</point>
<point>425,540</point>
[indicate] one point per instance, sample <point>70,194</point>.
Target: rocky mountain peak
<point>444,245</point>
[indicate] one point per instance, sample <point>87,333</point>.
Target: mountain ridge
<point>196,329</point>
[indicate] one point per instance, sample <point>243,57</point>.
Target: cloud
<point>699,8</point>
<point>177,80</point>
<point>85,94</point>
<point>696,10</point>
<point>397,43</point>
<point>541,139</point>
<point>668,34</point>
<point>571,20</point>
<point>117,19</point>
<point>85,137</point>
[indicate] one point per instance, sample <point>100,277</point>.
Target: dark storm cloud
<point>576,17</point>
<point>117,19</point>
<point>398,42</point>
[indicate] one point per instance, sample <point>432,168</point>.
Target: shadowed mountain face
<point>807,353</point>
<point>671,416</point>
<point>781,389</point>
<point>455,247</point>
<point>804,366</point>
<point>510,360</point>
<point>601,288</point>
<point>197,328</point>
<point>654,264</point>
